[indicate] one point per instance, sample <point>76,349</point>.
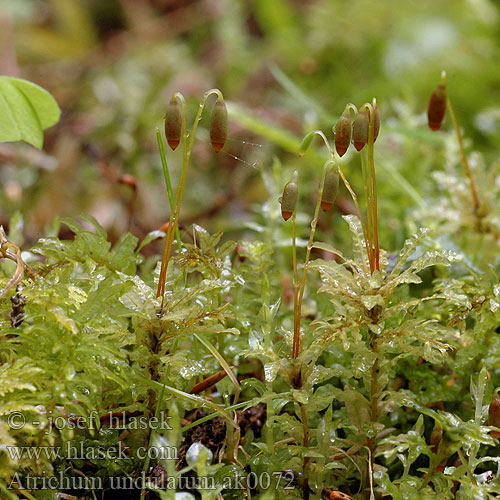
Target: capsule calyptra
<point>306,142</point>
<point>437,106</point>
<point>289,198</point>
<point>330,188</point>
<point>360,129</point>
<point>218,125</point>
<point>343,133</point>
<point>173,123</point>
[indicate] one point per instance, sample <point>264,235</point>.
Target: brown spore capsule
<point>173,123</point>
<point>218,125</point>
<point>437,106</point>
<point>289,198</point>
<point>330,188</point>
<point>343,133</point>
<point>494,415</point>
<point>360,129</point>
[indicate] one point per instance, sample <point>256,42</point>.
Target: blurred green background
<point>284,66</point>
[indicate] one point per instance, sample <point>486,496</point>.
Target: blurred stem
<point>305,439</point>
<point>298,94</point>
<point>232,433</point>
<point>197,356</point>
<point>296,312</point>
<point>238,406</point>
<point>225,366</point>
<point>356,204</point>
<point>269,423</point>
<point>368,197</point>
<point>374,395</point>
<point>373,187</point>
<point>27,494</point>
<point>467,468</point>
<point>170,193</point>
<point>157,417</point>
<point>193,399</point>
<point>298,309</point>
<point>463,156</point>
<point>348,186</point>
<point>188,142</point>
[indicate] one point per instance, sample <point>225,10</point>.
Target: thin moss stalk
<point>188,142</point>
<point>368,198</point>
<point>344,179</point>
<point>374,400</point>
<point>296,312</point>
<point>298,308</point>
<point>305,443</point>
<point>373,184</point>
<point>463,156</point>
<point>168,184</point>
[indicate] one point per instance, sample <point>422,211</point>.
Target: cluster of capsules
<point>218,123</point>
<point>346,131</point>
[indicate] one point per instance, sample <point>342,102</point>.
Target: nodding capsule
<point>218,125</point>
<point>306,142</point>
<point>330,188</point>
<point>494,415</point>
<point>289,198</point>
<point>343,133</point>
<point>437,106</point>
<point>173,123</point>
<point>360,129</point>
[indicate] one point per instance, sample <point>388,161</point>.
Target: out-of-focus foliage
<point>113,66</point>
<point>26,110</point>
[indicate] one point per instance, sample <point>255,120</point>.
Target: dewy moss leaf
<point>384,384</point>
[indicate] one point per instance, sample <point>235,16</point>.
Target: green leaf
<point>26,110</point>
<point>359,249</point>
<point>434,258</point>
<point>370,301</point>
<point>151,236</point>
<point>124,257</point>
<point>16,227</point>
<point>408,249</point>
<point>357,407</point>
